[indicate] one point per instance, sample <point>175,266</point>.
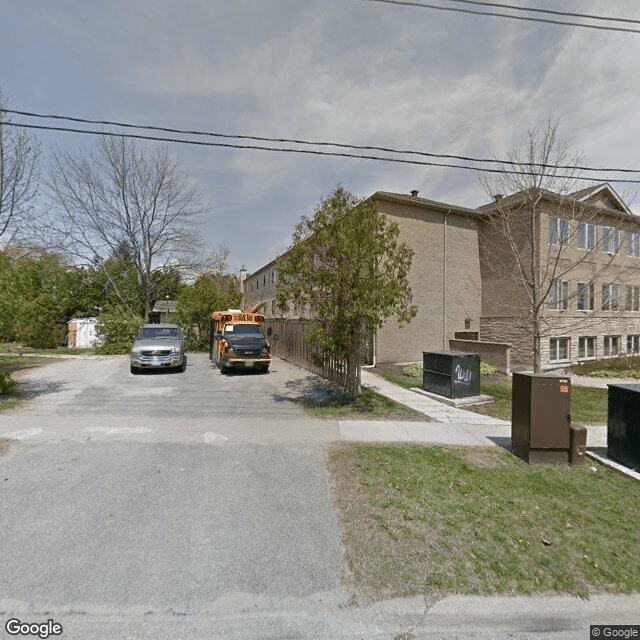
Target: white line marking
<point>113,430</point>
<point>214,438</point>
<point>22,435</point>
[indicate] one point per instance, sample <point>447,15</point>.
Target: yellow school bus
<point>238,340</point>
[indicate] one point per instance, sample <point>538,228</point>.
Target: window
<point>586,291</point>
<point>559,349</point>
<point>610,240</point>
<point>587,347</point>
<point>610,297</point>
<point>611,345</point>
<point>633,344</point>
<point>633,244</point>
<point>558,231</point>
<point>586,236</point>
<point>632,297</point>
<point>558,294</point>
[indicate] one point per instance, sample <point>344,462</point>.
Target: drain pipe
<point>373,360</point>
<point>445,346</point>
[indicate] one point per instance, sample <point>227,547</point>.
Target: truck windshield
<point>243,330</point>
<point>149,333</point>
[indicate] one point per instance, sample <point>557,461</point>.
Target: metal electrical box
<point>541,417</point>
<point>623,424</point>
<point>452,374</point>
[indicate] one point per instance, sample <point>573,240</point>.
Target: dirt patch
<point>480,458</point>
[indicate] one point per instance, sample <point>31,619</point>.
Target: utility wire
<point>305,151</point>
<point>495,14</point>
<point>341,145</point>
<point>548,11</point>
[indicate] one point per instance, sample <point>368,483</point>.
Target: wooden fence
<point>293,347</point>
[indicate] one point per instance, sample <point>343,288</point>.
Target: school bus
<point>238,340</point>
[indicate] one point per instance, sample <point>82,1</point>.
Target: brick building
<point>587,256</point>
<point>592,308</point>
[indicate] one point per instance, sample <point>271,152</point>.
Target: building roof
<point>421,202</point>
<point>162,306</point>
<point>602,196</point>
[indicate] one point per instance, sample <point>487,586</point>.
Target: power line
<point>548,11</point>
<point>306,142</point>
<point>510,16</point>
<point>303,151</point>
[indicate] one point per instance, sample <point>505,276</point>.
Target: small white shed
<point>83,333</point>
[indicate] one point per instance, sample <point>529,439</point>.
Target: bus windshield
<point>243,330</point>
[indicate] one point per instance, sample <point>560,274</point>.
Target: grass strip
<point>369,406</point>
<point>432,520</point>
<point>588,405</point>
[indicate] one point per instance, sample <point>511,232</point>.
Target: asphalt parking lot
<point>97,397</point>
<point>131,502</point>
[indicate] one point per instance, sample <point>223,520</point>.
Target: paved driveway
<point>136,504</point>
<point>94,397</point>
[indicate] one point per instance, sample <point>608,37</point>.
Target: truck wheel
<point>183,366</point>
<point>134,370</point>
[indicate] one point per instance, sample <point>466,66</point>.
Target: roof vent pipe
<point>414,193</point>
<point>497,197</point>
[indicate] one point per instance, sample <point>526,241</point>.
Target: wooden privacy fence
<point>293,347</point>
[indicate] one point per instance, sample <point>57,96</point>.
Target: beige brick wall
<point>439,316</point>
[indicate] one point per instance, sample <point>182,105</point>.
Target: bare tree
<point>528,240</point>
<point>18,176</point>
<point>122,196</point>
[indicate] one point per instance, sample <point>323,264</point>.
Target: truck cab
<point>239,341</point>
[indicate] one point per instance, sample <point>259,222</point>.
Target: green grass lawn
<point>369,406</point>
<point>432,520</point>
<point>588,406</point>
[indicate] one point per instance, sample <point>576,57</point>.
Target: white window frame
<point>610,239</point>
<point>611,345</point>
<point>558,231</point>
<point>556,346</point>
<point>632,297</point>
<point>558,295</point>
<point>633,244</point>
<point>586,292</point>
<point>611,296</point>
<point>587,236</point>
<point>587,347</point>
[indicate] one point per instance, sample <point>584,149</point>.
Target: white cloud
<point>354,72</point>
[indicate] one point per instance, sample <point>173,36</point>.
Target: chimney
<point>414,193</point>
<point>497,197</point>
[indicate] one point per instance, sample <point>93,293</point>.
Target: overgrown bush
<point>487,369</point>
<point>621,367</point>
<point>6,383</point>
<point>118,328</point>
<point>413,370</point>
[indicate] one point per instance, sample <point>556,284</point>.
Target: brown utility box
<point>577,445</point>
<point>541,417</point>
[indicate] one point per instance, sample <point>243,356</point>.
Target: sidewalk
<point>451,425</point>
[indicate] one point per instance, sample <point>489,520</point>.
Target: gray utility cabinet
<point>452,374</point>
<point>541,417</point>
<point>623,424</point>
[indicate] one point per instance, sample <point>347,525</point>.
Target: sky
<point>348,71</point>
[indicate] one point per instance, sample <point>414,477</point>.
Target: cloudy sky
<point>347,71</point>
